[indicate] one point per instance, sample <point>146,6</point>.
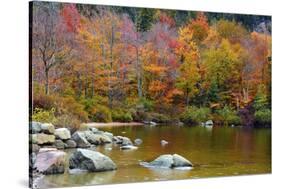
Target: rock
<point>209,123</point>
<point>180,161</point>
<point>97,138</point>
<point>126,141</point>
<point>93,129</point>
<point>35,127</point>
<point>163,161</point>
<point>138,141</point>
<point>32,159</point>
<point>152,123</point>
<point>109,135</point>
<point>62,133</point>
<point>180,123</point>
<point>50,162</point>
<point>48,128</point>
<point>35,148</point>
<point>117,140</point>
<point>164,142</point>
<point>169,161</point>
<point>70,144</point>
<point>42,138</point>
<point>80,140</point>
<point>90,160</point>
<point>59,144</point>
<point>128,147</point>
<point>47,149</point>
<point>122,140</point>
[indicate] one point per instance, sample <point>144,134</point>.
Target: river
<point>217,151</point>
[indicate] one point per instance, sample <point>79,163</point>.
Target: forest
<point>93,63</point>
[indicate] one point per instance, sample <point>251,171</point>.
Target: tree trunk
<point>139,79</point>
<point>46,81</point>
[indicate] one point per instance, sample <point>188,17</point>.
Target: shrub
<point>263,117</point>
<point>68,105</point>
<point>43,101</point>
<point>148,105</point>
<point>159,118</point>
<point>100,113</point>
<point>195,115</point>
<point>228,116</point>
<point>69,121</point>
<point>121,115</point>
<point>47,116</point>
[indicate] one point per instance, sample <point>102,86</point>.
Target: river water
<point>217,151</point>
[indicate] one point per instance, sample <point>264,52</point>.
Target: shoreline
<point>113,124</point>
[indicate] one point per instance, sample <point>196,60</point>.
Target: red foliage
<point>165,19</point>
<point>71,17</point>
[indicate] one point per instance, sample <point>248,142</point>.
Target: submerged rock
<point>42,138</point>
<point>90,160</point>
<point>164,142</point>
<point>62,133</point>
<point>80,140</point>
<point>138,141</point>
<point>128,147</point>
<point>50,162</point>
<point>169,161</point>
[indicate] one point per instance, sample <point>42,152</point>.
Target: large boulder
<point>80,140</point>
<point>48,128</point>
<point>91,161</point>
<point>42,138</point>
<point>180,161</point>
<point>170,161</point>
<point>50,162</point>
<point>70,144</point>
<point>62,133</point>
<point>35,127</point>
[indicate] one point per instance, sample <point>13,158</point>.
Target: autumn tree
<point>50,38</point>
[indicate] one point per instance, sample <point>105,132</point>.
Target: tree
<point>50,38</point>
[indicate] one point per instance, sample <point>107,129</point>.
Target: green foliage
<point>46,116</point>
<point>159,118</point>
<point>121,115</point>
<point>147,104</point>
<point>260,101</point>
<point>68,105</point>
<point>195,115</point>
<point>145,19</point>
<point>228,116</point>
<point>263,117</point>
<point>262,111</point>
<point>100,113</point>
